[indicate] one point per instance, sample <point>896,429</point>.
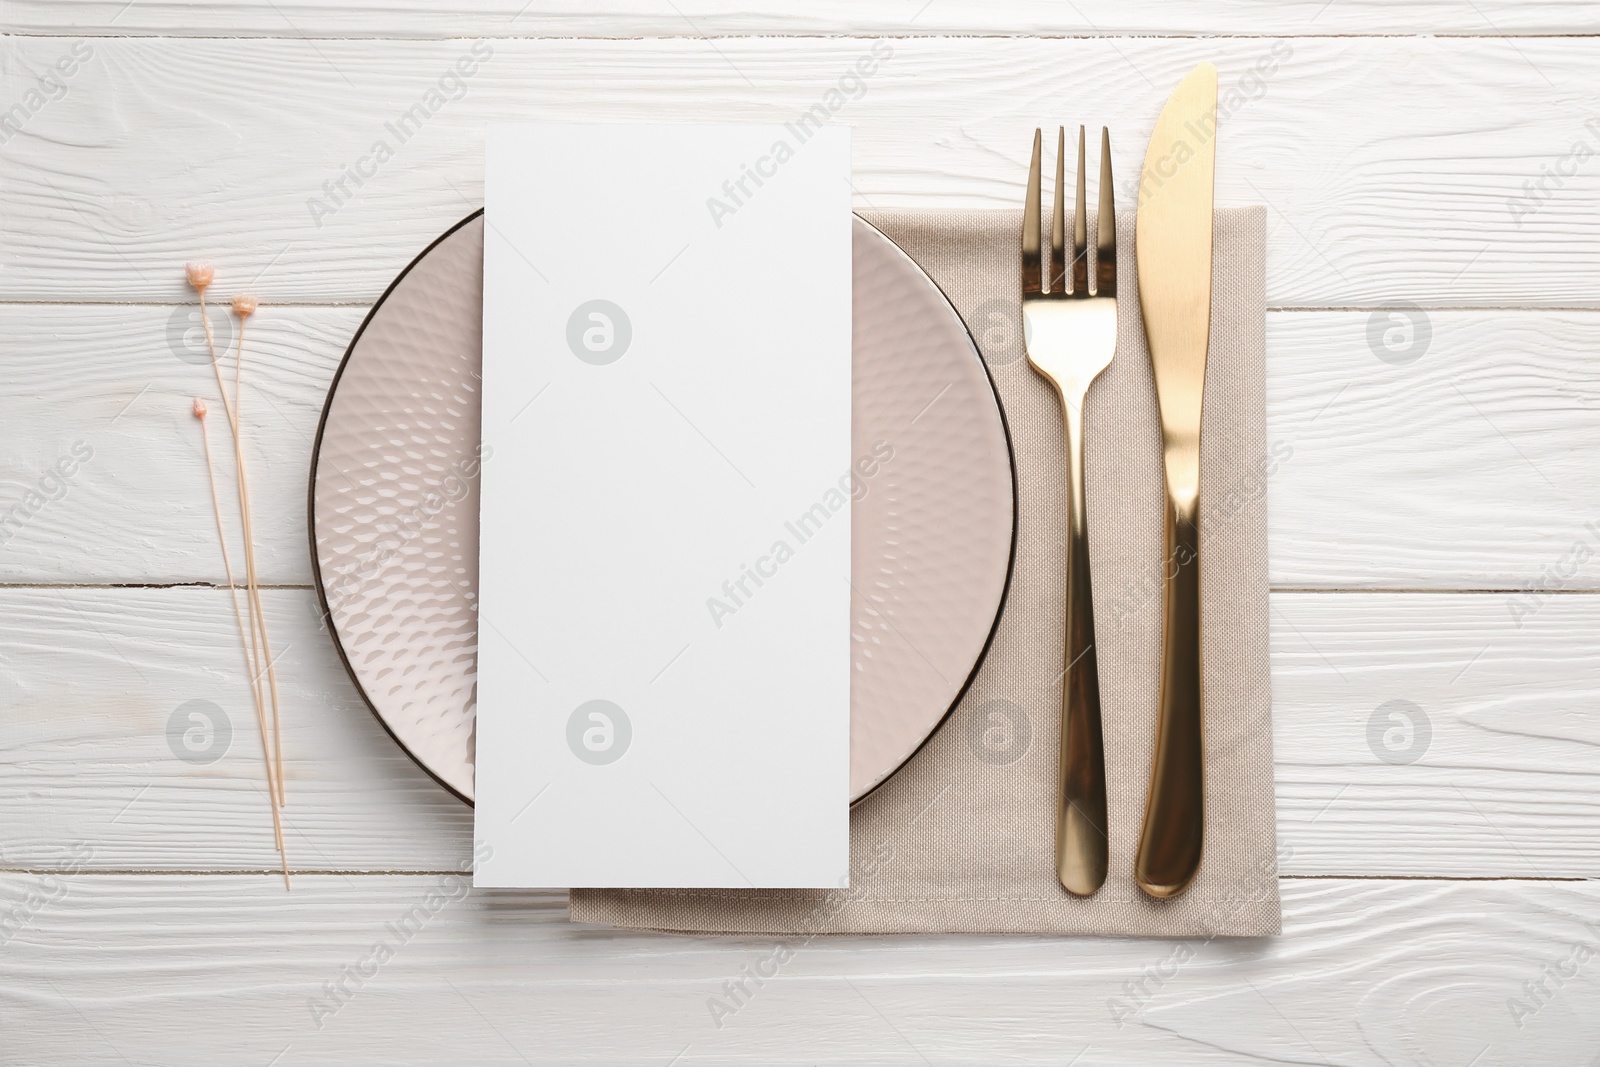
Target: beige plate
<point>394,508</point>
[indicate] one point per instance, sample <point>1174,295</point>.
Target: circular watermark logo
<point>1399,335</point>
<point>997,327</point>
<point>199,732</point>
<point>598,732</point>
<point>999,731</point>
<point>598,332</point>
<point>1399,732</point>
<point>186,334</point>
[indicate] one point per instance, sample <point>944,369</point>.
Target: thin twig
<point>238,616</point>
<point>244,307</point>
<point>200,276</point>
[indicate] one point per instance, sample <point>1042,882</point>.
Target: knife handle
<point>1174,815</point>
<point>1082,843</point>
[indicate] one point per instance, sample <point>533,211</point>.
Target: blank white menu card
<point>664,615</point>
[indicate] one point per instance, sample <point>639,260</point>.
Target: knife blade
<point>1173,247</point>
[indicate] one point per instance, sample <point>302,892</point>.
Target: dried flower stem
<point>238,616</point>
<point>200,276</point>
<point>244,307</point>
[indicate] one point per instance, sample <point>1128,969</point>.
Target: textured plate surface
<point>394,507</point>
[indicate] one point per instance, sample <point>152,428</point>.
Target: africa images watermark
<point>52,85</point>
<point>737,992</point>
<point>851,85</point>
<point>451,85</point>
<point>51,887</point>
<point>352,576</point>
<point>1216,513</point>
<point>852,485</point>
<point>1399,732</point>
<point>1555,576</point>
<point>1257,885</point>
<point>1537,192</point>
<point>1556,973</point>
<point>352,977</point>
<point>1252,85</point>
<point>51,485</point>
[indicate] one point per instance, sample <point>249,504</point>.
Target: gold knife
<point>1173,246</point>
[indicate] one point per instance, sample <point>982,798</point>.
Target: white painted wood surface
<point>1387,162</point>
<point>698,18</point>
<point>218,969</point>
<point>1470,468</point>
<point>1430,537</point>
<point>1507,786</point>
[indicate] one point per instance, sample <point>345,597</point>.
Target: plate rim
<point>311,508</point>
<point>326,614</point>
<point>1016,517</point>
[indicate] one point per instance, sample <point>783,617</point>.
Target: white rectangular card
<point>663,665</point>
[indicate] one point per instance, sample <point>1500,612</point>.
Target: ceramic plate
<point>394,507</point>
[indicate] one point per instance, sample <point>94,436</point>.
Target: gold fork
<point>1071,334</point>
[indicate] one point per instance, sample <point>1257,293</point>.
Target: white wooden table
<point>1434,370</point>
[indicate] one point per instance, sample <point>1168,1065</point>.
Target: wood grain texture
<point>1465,469</point>
<point>425,19</point>
<point>1389,164</point>
<point>138,509</point>
<point>1468,467</point>
<point>93,682</point>
<point>1403,720</point>
<point>1395,168</point>
<point>1505,779</point>
<point>204,970</point>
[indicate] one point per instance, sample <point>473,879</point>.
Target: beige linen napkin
<point>962,838</point>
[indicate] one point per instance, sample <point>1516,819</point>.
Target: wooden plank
<point>97,686</point>
<point>1502,781</point>
<point>419,19</point>
<point>1457,460</point>
<point>1395,170</point>
<point>114,387</point>
<point>1463,469</point>
<point>202,970</point>
<point>1393,166</point>
<point>1406,725</point>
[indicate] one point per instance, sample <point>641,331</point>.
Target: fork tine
<point>1030,225</point>
<point>1080,232</point>
<point>1058,219</point>
<point>1106,239</point>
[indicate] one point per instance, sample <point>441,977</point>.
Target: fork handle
<point>1082,843</point>
<point>1174,815</point>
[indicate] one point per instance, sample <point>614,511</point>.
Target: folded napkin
<point>962,838</point>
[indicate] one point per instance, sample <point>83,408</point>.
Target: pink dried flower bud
<point>244,306</point>
<point>199,275</point>
<point>199,408</point>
